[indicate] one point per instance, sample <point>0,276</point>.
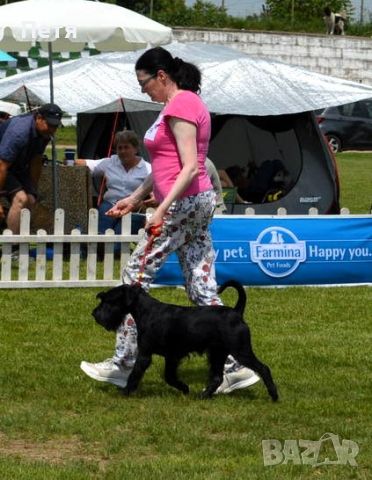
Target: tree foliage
<point>304,10</point>
<point>176,13</point>
<point>142,7</point>
<point>164,8</point>
<point>207,14</point>
<point>4,2</point>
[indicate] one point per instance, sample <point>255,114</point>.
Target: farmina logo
<point>278,252</point>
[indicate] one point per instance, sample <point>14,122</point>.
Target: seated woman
<point>233,179</point>
<point>123,173</point>
<point>216,184</point>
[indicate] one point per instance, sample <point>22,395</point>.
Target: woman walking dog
<point>178,145</point>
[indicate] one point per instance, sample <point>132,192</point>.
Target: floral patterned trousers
<point>185,231</point>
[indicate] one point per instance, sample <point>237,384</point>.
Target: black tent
<point>238,140</point>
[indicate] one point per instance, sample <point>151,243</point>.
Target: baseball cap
<point>52,113</point>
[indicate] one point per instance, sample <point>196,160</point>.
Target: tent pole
<point>53,142</point>
<point>50,61</point>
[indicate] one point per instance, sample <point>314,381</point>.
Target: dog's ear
<point>100,295</point>
<point>113,295</point>
<point>130,293</point>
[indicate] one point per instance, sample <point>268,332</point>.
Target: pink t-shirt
<point>161,145</point>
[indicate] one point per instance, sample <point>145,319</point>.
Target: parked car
<point>349,126</point>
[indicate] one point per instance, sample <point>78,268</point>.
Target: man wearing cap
<point>23,140</point>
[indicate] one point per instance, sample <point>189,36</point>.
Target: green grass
<point>56,423</point>
<point>66,136</point>
<point>355,169</point>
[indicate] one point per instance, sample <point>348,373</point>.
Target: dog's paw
<point>125,391</point>
<point>205,395</point>
<point>185,390</point>
<point>274,396</point>
<point>182,387</point>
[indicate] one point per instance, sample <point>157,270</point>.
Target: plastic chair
<point>229,197</point>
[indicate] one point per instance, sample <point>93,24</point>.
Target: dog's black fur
<point>175,331</point>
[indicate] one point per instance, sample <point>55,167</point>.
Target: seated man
<point>280,185</point>
<point>23,140</point>
<point>264,180</point>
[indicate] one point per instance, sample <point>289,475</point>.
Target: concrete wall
<point>340,56</point>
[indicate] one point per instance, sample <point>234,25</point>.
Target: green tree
<point>304,10</point>
<point>176,13</point>
<point>207,14</point>
<point>4,2</point>
<point>162,8</point>
<point>170,12</point>
<point>142,7</point>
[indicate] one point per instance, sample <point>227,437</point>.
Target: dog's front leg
<point>170,374</point>
<point>142,364</point>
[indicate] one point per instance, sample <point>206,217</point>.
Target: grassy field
<point>66,136</point>
<point>55,423</point>
<point>355,169</point>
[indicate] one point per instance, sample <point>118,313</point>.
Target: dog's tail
<point>242,299</point>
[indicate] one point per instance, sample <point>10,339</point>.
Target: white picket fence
<point>29,267</point>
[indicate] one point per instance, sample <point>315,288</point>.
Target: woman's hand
<point>80,162</point>
<point>155,222</point>
<point>123,207</point>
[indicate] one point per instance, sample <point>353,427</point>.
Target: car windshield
<point>347,110</point>
<point>362,109</point>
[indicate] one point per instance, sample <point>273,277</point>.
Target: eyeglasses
<point>143,83</point>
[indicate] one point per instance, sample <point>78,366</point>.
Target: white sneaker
<point>107,371</point>
<point>237,377</point>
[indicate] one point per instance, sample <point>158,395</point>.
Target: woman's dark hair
<point>186,75</point>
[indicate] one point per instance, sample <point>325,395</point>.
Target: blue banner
<point>287,250</point>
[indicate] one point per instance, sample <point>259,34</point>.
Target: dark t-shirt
<point>20,142</point>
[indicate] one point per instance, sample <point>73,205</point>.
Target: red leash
<point>153,232</point>
<point>102,187</point>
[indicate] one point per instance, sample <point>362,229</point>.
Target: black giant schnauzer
<point>175,331</point>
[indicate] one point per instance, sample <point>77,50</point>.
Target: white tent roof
<point>232,82</point>
<point>10,108</point>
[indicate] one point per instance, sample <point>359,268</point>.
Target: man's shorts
<point>14,184</point>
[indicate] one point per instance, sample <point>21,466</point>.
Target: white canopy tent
<point>71,25</point>
<point>232,82</point>
<point>10,108</point>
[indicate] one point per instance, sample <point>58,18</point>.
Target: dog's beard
<point>108,317</point>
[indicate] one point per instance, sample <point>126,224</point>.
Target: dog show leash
<point>153,232</point>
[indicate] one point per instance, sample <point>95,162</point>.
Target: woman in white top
<point>123,173</point>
